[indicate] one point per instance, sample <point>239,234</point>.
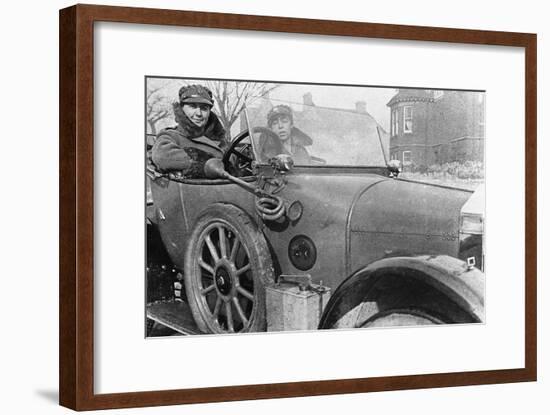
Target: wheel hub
<point>223,281</point>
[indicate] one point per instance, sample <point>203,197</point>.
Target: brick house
<point>434,127</point>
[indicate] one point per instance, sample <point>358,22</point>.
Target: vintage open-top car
<point>392,251</point>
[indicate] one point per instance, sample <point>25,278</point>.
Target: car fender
<point>452,277</point>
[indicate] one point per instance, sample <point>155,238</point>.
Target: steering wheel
<point>243,162</point>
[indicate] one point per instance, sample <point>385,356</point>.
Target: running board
<point>175,315</point>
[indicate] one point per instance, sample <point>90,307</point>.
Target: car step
<point>175,315</point>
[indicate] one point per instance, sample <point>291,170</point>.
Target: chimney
<point>361,106</point>
<point>308,99</point>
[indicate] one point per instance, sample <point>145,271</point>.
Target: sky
<point>341,97</point>
<point>345,97</point>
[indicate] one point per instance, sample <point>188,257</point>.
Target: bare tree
<point>231,96</point>
<point>159,105</point>
<point>229,99</point>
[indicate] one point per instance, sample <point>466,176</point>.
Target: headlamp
<point>471,224</point>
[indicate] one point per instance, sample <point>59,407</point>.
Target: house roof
<point>411,95</point>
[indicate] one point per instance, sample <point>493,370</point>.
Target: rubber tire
<point>399,293</point>
<point>259,256</point>
<point>150,325</point>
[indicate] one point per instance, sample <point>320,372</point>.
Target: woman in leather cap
<point>198,136</point>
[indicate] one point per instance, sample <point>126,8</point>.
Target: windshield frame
<point>261,163</point>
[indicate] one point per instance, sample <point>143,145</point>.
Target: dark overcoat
<point>186,147</point>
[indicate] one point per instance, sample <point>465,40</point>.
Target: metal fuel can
<point>292,306</point>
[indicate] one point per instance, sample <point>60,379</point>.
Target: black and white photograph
<point>276,206</point>
<point>246,207</point>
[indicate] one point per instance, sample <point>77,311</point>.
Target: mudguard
<point>447,276</point>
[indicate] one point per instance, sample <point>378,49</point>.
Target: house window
<point>481,100</point>
<point>481,97</point>
<point>406,158</point>
<point>408,119</point>
<point>481,115</point>
<point>394,122</point>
